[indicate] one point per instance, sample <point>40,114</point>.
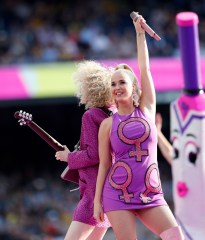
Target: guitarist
<point>94,91</point>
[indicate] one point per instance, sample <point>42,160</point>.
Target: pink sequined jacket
<point>85,162</point>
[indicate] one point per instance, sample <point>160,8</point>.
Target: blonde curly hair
<point>93,82</point>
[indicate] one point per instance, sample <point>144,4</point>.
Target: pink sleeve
<point>88,154</point>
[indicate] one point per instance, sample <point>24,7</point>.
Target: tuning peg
<point>22,122</point>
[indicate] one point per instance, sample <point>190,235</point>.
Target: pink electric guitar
<point>25,119</point>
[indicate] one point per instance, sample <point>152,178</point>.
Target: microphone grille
<point>134,15</point>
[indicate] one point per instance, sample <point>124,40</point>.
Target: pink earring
<point>135,99</point>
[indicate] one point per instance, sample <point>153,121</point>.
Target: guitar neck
<point>45,136</point>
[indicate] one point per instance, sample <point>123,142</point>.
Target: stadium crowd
<point>37,209</point>
<point>41,207</point>
<point>50,31</point>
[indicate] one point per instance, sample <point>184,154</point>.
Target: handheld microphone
<point>134,16</point>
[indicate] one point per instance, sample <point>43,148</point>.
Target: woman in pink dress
<point>128,183</point>
<point>94,91</point>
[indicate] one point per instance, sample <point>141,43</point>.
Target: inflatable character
<point>188,134</point>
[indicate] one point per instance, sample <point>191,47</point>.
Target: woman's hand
<point>62,155</point>
<point>98,212</point>
<point>138,24</point>
<point>158,122</point>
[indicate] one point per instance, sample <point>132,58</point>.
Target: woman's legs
<point>123,224</point>
<point>97,234</point>
<point>172,233</point>
<point>160,220</point>
<point>82,231</point>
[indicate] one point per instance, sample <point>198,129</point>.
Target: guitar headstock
<point>24,117</point>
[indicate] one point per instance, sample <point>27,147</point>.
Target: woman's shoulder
<point>96,115</point>
<point>106,123</point>
<point>146,113</point>
<point>94,111</point>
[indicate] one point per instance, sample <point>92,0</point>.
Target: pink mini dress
<point>133,181</point>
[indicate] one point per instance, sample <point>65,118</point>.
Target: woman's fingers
<point>98,213</point>
<point>102,216</point>
<point>62,155</point>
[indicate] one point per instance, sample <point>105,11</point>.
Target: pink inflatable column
<point>188,134</point>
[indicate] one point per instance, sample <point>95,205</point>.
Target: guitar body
<point>70,175</point>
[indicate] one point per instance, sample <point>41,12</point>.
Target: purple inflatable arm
<point>189,44</point>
